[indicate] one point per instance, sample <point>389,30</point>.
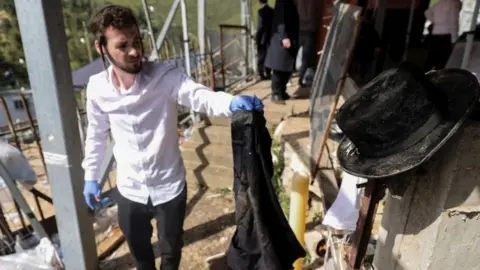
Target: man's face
<point>124,48</point>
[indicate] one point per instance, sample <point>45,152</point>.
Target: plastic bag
<point>17,166</point>
<point>42,257</point>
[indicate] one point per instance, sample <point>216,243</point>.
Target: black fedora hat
<point>402,117</point>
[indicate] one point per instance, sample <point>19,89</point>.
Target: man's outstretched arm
<point>202,99</point>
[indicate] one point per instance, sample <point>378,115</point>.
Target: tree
<point>11,50</point>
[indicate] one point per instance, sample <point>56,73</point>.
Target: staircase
<point>207,153</point>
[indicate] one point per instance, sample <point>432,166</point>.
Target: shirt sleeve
<point>197,97</point>
<point>96,137</point>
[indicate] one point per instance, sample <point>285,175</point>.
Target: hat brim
<point>463,91</point>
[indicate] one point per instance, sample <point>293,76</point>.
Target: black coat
<point>263,239</point>
<point>264,26</point>
<point>285,25</point>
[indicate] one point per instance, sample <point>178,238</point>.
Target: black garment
<point>307,41</point>
<point>263,239</point>
<point>264,72</point>
<point>279,82</point>
<point>285,25</point>
<point>135,222</point>
<point>365,55</point>
<point>264,26</point>
<point>440,48</point>
<point>309,14</point>
<point>262,39</point>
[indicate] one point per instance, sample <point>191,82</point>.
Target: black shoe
<point>277,99</point>
<point>286,96</point>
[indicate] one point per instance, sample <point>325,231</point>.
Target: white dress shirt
<point>143,124</point>
<point>444,15</point>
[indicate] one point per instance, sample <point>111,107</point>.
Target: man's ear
<point>97,47</point>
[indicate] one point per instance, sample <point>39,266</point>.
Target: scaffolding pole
<point>45,46</point>
<point>150,30</point>
<point>201,27</point>
<point>166,25</point>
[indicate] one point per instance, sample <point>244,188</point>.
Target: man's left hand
<point>247,103</point>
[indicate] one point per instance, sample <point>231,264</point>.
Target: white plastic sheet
<point>17,165</point>
<point>42,257</point>
<point>343,214</point>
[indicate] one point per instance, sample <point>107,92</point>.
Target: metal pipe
<point>167,23</point>
<point>298,210</point>
<point>222,60</point>
<point>150,29</point>
<point>201,26</point>
<point>186,47</point>
<point>41,22</point>
<point>29,117</point>
<point>18,197</point>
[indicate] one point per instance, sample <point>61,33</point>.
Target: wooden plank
<point>110,243</point>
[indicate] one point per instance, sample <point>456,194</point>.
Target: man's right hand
<point>91,192</point>
<point>286,43</point>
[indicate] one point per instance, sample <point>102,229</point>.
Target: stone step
<point>217,154</point>
<point>213,176</point>
<point>211,135</point>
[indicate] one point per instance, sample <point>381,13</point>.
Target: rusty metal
<point>211,71</point>
<point>39,208</point>
<point>222,64</point>
<point>4,227</point>
<point>234,26</point>
<point>361,237</point>
<point>11,126</point>
<point>19,147</point>
<point>30,120</point>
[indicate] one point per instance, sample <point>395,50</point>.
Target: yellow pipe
<point>298,209</point>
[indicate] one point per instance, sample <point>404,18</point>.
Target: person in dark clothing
<point>283,47</point>
<point>262,37</point>
<point>309,12</point>
<point>263,239</point>
<point>365,55</point>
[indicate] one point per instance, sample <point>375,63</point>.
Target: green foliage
<point>278,168</point>
<point>77,11</point>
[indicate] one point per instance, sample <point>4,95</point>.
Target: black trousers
<point>263,71</point>
<point>279,82</point>
<point>309,57</point>
<point>135,222</point>
<point>440,48</point>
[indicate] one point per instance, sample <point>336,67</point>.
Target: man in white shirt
<point>137,101</point>
<point>444,16</point>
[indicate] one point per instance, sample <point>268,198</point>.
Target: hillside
<point>76,12</point>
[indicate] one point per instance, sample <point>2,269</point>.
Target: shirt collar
<point>143,76</point>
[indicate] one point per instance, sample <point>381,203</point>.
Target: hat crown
<point>395,110</point>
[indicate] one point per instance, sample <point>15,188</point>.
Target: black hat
<point>402,117</point>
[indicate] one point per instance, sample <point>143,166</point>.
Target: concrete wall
<point>434,226</point>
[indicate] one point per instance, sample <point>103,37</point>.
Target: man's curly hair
<point>117,16</point>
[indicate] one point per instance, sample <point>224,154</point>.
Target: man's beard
<point>131,69</point>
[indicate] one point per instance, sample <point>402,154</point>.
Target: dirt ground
<point>209,226</point>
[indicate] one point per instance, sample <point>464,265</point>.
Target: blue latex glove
<point>248,103</point>
<point>91,192</point>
